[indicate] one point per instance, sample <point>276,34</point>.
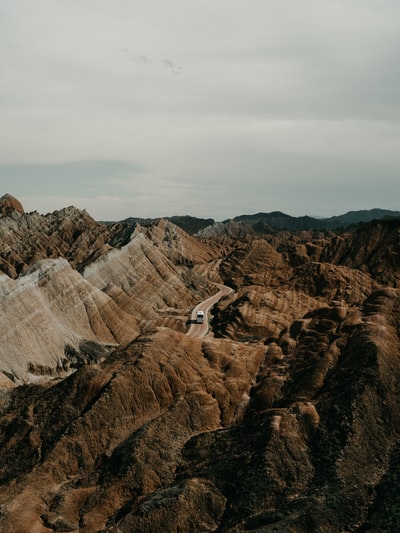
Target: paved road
<point>199,330</point>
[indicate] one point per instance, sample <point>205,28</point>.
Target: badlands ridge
<point>285,417</point>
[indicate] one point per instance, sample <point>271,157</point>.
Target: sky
<point>209,108</point>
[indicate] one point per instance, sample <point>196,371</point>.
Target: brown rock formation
<point>126,281</point>
<point>10,205</point>
<point>69,233</point>
<point>47,317</point>
<point>146,283</point>
<point>289,423</point>
<point>85,466</point>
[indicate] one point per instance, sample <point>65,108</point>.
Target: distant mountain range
<point>276,221</point>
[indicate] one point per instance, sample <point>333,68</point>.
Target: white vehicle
<point>200,317</point>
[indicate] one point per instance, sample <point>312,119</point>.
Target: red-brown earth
<point>285,417</point>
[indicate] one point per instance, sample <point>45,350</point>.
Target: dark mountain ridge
<point>275,221</point>
<point>188,223</point>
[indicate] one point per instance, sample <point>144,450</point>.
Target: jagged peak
<point>71,212</point>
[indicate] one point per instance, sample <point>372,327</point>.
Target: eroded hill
<point>68,281</point>
<point>285,417</point>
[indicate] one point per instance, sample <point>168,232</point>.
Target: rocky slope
<point>48,317</point>
<point>69,281</point>
<point>83,467</point>
<point>284,418</point>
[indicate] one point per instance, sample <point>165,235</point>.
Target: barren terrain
<point>117,416</point>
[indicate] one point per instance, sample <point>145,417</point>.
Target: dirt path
<point>199,330</point>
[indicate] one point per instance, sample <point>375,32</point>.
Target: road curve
<point>200,330</point>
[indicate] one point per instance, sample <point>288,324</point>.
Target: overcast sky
<point>212,108</point>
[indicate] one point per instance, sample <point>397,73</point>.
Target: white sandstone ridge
<point>141,280</point>
<point>47,313</point>
<point>180,247</point>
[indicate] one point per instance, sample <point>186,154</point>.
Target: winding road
<point>200,330</point>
